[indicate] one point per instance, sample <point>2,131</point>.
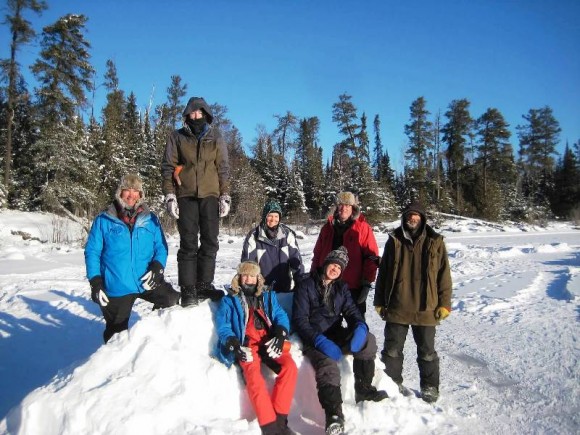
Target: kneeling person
<point>321,302</point>
<point>252,328</point>
<point>125,256</point>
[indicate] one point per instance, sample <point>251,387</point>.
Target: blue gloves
<point>359,337</point>
<point>328,347</point>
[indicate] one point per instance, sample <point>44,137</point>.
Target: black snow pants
<point>198,226</point>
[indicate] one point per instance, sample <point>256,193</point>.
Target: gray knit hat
<point>338,256</point>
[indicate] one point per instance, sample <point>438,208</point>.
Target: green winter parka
<point>414,278</point>
<point>204,162</point>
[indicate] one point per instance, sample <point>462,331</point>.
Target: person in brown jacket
<point>413,288</point>
<point>195,172</point>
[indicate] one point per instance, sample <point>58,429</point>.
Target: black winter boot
<point>330,398</point>
<point>271,429</point>
<point>282,420</point>
<point>334,425</point>
<point>430,394</point>
<point>364,371</point>
<point>189,296</point>
<point>207,291</point>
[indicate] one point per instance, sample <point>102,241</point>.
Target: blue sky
<point>261,58</point>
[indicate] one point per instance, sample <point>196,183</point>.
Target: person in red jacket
<point>346,226</point>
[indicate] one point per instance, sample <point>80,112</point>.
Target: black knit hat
<point>338,256</point>
<point>415,207</point>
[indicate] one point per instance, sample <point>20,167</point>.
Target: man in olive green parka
<point>413,288</point>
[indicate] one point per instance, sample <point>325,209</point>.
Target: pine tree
<point>113,158</point>
<point>566,198</point>
<point>25,133</point>
<point>309,161</point>
<point>65,75</point>
<point>284,132</point>
<point>538,141</point>
<point>493,133</point>
<point>175,93</point>
<point>420,134</point>
<point>455,133</point>
<point>133,132</point>
<point>378,149</point>
<point>21,33</point>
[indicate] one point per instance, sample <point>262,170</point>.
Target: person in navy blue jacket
<point>125,257</point>
<point>321,303</point>
<point>252,328</point>
<point>274,247</point>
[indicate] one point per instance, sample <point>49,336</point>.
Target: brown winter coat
<point>414,279</point>
<point>205,166</point>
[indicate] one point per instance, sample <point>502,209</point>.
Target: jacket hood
<point>196,103</point>
<point>415,207</point>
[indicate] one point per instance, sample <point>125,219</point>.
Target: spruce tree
<point>285,131</point>
<point>538,141</point>
<point>113,157</point>
<point>21,33</point>
<point>309,161</point>
<point>455,134</point>
<point>565,201</point>
<point>493,138</point>
<point>175,106</point>
<point>420,134</point>
<point>64,75</point>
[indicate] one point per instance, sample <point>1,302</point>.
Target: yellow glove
<point>441,313</point>
<point>380,311</point>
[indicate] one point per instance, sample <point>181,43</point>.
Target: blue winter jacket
<point>120,256</point>
<point>231,320</point>
<point>279,259</point>
<point>311,316</point>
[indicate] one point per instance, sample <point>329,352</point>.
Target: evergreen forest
<point>60,154</point>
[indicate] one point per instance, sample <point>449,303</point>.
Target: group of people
<point>126,253</point>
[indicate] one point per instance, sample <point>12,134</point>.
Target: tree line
<point>59,156</point>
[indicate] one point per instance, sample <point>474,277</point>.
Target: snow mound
<point>158,377</point>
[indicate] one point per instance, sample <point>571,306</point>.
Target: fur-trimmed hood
<point>236,288</point>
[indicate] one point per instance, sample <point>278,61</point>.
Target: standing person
<point>321,303</point>
<point>274,247</point>
<point>347,227</point>
<point>125,256</point>
<point>413,288</point>
<point>252,328</point>
<point>195,173</point>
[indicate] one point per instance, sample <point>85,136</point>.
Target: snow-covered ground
<point>509,351</point>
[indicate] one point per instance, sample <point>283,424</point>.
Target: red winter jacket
<point>362,248</point>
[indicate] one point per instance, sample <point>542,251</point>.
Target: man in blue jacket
<point>125,256</point>
<point>321,303</point>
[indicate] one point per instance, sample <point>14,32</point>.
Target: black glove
<point>364,292</point>
<point>98,294</point>
<point>275,345</point>
<point>242,354</point>
<point>153,277</point>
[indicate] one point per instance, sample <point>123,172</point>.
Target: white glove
<point>247,354</point>
<point>273,349</point>
<point>171,205</point>
<point>225,201</point>
<point>103,299</point>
